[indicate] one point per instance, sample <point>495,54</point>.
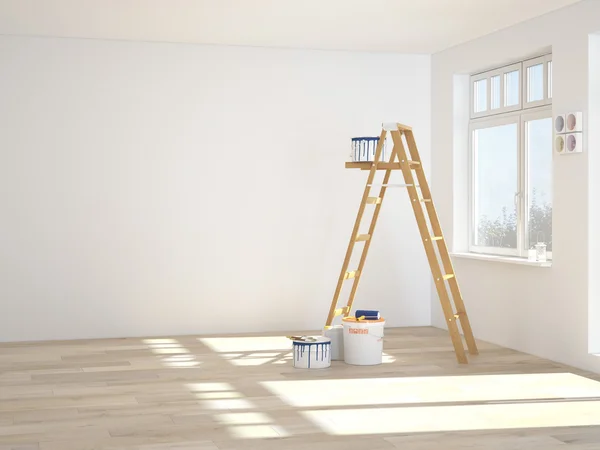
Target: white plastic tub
<point>336,334</point>
<point>363,341</point>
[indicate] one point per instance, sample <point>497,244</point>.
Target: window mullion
<point>523,169</point>
<point>545,72</point>
<point>489,93</point>
<point>502,92</point>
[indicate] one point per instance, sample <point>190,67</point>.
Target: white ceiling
<point>410,26</point>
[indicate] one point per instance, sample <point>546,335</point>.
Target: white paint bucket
<point>363,341</point>
<point>336,334</point>
<point>314,354</point>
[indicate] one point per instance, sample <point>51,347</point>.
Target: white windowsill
<point>502,259</point>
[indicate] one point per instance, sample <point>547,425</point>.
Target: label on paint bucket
<point>358,330</point>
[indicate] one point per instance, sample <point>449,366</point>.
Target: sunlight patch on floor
<point>180,361</point>
<point>178,356</point>
<point>247,344</point>
<point>159,341</point>
<point>456,418</point>
<point>241,425</point>
<point>387,359</point>
<point>250,425</point>
<point>388,391</point>
<point>251,351</point>
<point>236,403</point>
<point>256,432</point>
<point>170,350</point>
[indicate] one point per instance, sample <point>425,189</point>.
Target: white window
<point>511,158</point>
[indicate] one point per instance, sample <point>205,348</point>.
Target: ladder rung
<point>350,275</point>
<point>374,200</point>
<point>437,238</point>
<point>389,185</point>
<point>447,277</point>
<point>413,163</point>
<point>340,311</point>
<point>363,237</point>
<point>368,165</point>
<point>425,200</point>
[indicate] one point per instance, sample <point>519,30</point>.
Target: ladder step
<point>363,237</point>
<point>374,200</point>
<point>413,163</point>
<point>425,200</point>
<point>350,275</point>
<point>341,311</point>
<point>447,277</point>
<point>437,238</point>
<point>368,165</point>
<point>389,185</point>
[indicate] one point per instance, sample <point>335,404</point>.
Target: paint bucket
<point>312,354</point>
<point>363,341</point>
<point>336,334</point>
<point>364,149</point>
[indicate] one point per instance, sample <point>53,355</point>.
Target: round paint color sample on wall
<point>571,143</point>
<point>574,122</point>
<point>571,122</point>
<point>559,144</point>
<point>559,124</point>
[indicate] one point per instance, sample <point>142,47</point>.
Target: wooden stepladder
<point>430,230</point>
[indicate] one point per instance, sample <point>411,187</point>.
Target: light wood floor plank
<point>218,393</point>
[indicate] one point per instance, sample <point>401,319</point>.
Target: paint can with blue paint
<point>312,352</point>
<point>364,149</point>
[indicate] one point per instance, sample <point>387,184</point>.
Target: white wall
<point>152,189</point>
<point>593,133</point>
<point>535,310</point>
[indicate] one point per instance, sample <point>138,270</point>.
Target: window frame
<point>546,100</point>
<point>528,116</point>
<point>488,75</point>
<point>520,118</point>
<point>519,114</point>
<point>483,123</point>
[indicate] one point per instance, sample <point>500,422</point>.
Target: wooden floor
<point>241,392</point>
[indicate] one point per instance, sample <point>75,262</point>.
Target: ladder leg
<point>442,248</point>
<point>355,230</point>
<point>436,271</point>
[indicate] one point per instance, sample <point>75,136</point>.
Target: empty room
<point>277,225</point>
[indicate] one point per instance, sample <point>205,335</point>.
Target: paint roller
<point>367,314</point>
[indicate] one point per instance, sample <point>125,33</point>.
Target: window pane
<point>535,83</point>
<point>480,96</point>
<point>511,88</point>
<point>539,150</point>
<point>495,101</point>
<point>495,156</point>
<point>550,79</point>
